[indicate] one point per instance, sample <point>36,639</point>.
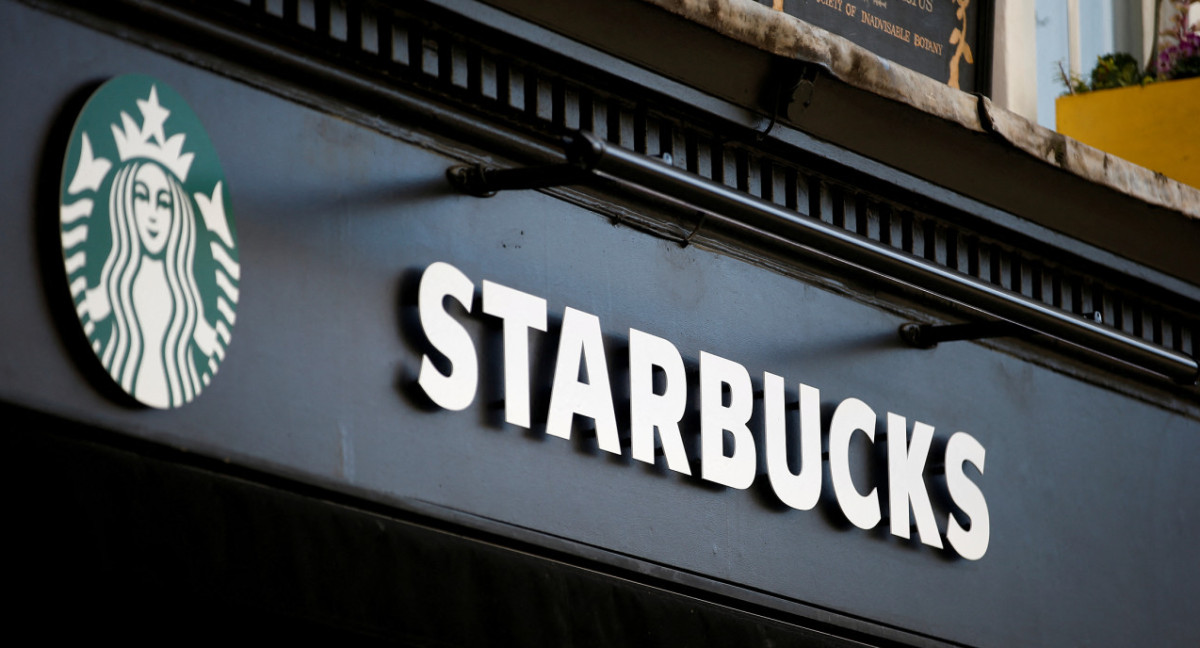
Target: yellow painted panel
<point>1156,126</point>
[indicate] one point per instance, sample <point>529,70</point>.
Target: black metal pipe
<point>655,175</point>
<point>484,181</point>
<point>927,336</point>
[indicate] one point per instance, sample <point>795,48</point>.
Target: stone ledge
<point>782,35</point>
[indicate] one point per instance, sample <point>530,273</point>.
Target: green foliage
<point>1116,71</point>
<point>1186,68</point>
<point>1074,83</point>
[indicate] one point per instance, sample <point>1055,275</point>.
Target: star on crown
<point>149,141</point>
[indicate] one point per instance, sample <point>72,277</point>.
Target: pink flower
<point>1171,57</point>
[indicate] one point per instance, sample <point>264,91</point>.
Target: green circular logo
<point>149,241</point>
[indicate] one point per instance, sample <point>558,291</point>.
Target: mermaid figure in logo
<point>147,285</point>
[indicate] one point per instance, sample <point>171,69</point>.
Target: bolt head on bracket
<point>469,179</point>
<point>911,334</point>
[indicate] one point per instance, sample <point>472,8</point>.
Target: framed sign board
<point>948,40</point>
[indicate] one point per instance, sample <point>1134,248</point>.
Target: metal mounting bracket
<point>927,336</point>
<point>582,150</point>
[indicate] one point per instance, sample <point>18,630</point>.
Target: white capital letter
<point>520,312</point>
<point>972,544</point>
<point>648,410</point>
<point>568,396</point>
<point>456,390</point>
<point>852,414</point>
<point>906,484</point>
<point>736,470</point>
<point>803,490</point>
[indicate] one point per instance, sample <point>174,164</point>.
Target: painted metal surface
<point>1090,493</point>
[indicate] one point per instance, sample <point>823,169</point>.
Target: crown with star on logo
<point>148,140</point>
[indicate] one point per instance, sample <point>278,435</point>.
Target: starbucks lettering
<point>727,402</point>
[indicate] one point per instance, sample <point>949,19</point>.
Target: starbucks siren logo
<point>149,241</point>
